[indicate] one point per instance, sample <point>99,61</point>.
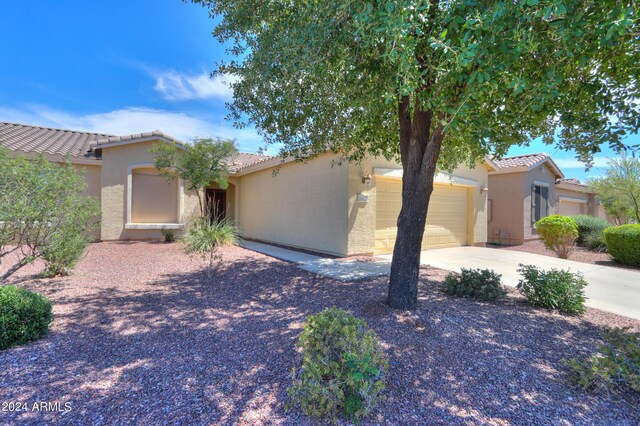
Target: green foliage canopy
<point>320,76</point>
<point>619,188</point>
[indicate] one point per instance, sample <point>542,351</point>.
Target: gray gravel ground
<point>140,336</point>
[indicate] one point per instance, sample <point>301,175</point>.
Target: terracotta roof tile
<point>242,160</point>
<point>527,160</point>
<point>26,138</point>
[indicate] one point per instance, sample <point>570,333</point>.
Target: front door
<point>216,204</point>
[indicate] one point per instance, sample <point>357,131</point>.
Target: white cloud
<point>571,163</point>
<point>130,120</point>
<point>175,86</point>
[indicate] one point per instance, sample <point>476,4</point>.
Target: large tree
<point>433,83</point>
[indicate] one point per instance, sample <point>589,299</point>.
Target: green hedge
<point>24,316</point>
<point>623,243</point>
<point>480,284</point>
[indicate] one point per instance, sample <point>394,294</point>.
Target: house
<point>524,189</point>
<point>319,205</point>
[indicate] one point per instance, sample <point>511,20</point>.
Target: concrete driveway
<point>611,289</point>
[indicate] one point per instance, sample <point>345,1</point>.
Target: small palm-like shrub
<point>205,237</point>
<point>481,284</point>
<point>24,316</point>
<point>168,235</point>
<point>615,366</point>
<point>553,289</point>
<point>558,233</point>
<point>623,243</point>
<point>343,367</point>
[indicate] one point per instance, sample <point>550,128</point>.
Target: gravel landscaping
<point>140,336</point>
<point>579,254</point>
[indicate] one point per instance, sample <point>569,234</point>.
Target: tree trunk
<point>420,149</point>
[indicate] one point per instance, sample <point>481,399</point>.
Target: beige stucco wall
<point>303,205</point>
<point>92,175</point>
<point>115,165</point>
<point>362,215</point>
<point>507,212</point>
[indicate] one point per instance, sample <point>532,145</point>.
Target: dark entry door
<point>216,204</point>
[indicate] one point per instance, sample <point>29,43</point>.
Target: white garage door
<point>570,208</point>
<point>446,220</point>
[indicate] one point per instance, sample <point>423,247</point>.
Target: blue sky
<point>123,67</point>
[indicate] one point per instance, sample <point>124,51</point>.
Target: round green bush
<point>553,289</point>
<point>480,284</point>
<point>623,243</point>
<point>589,227</point>
<point>343,367</point>
<point>24,316</point>
<point>558,233</point>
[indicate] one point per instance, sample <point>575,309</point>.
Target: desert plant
<point>168,235</point>
<point>589,227</point>
<point>343,367</point>
<point>42,206</point>
<point>553,289</point>
<point>62,253</point>
<point>594,241</point>
<point>614,367</point>
<point>204,237</point>
<point>24,316</point>
<point>558,234</point>
<point>619,188</point>
<point>200,163</point>
<point>623,243</point>
<point>481,284</point>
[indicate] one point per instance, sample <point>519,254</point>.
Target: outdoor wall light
<point>484,189</point>
<point>366,179</point>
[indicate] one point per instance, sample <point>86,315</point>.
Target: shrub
<point>168,235</point>
<point>205,237</point>
<point>24,316</point>
<point>63,253</point>
<point>553,289</point>
<point>481,284</point>
<point>343,367</point>
<point>558,233</point>
<point>587,224</point>
<point>42,205</point>
<point>615,366</point>
<point>589,227</point>
<point>594,241</point>
<point>623,243</point>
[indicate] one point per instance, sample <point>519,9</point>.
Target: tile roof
<point>27,138</point>
<point>242,160</point>
<point>573,181</point>
<point>528,160</point>
<point>134,136</point>
<point>47,140</point>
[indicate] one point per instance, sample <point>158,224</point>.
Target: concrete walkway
<point>610,289</point>
<point>339,269</point>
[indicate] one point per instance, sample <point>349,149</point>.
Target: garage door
<point>446,220</point>
<point>569,208</point>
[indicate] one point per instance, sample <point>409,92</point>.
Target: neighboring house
<point>526,188</point>
<point>318,205</point>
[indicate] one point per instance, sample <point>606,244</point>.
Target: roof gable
<point>524,163</point>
